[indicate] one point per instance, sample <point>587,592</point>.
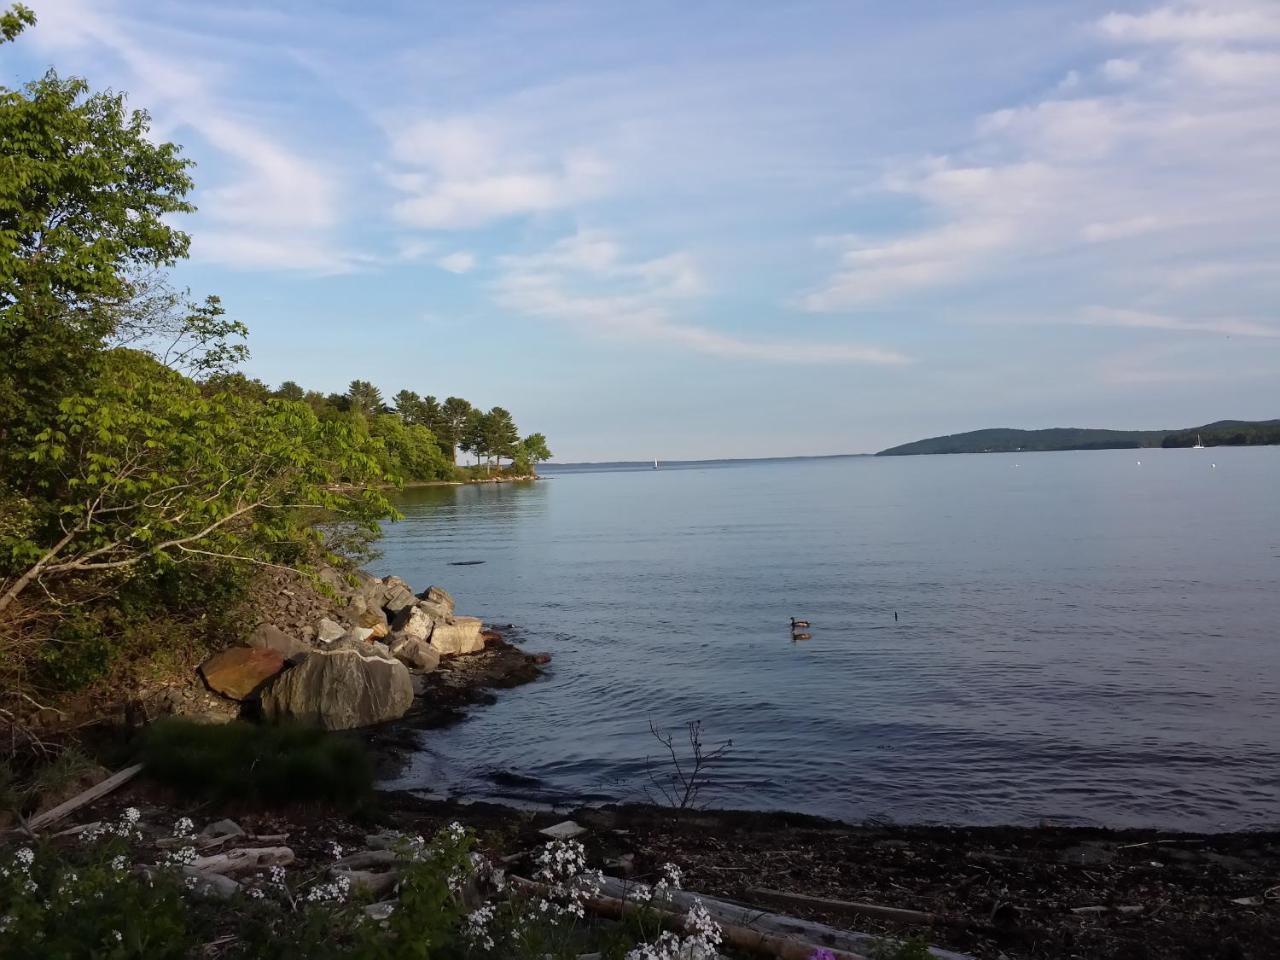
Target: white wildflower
<point>119,863</point>
<point>277,876</point>
<point>184,827</point>
<point>335,849</point>
<point>671,873</point>
<point>478,927</point>
<point>324,892</point>
<point>701,943</point>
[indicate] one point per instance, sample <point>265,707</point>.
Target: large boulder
<point>417,654</point>
<point>266,636</point>
<point>436,602</point>
<point>365,647</point>
<point>340,689</point>
<point>240,672</point>
<point>371,589</point>
<point>396,595</point>
<point>329,630</point>
<point>376,621</point>
<point>457,635</point>
<point>413,622</point>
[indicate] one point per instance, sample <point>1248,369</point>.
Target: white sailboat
<point>1199,445</point>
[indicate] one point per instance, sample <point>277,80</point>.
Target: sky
<point>727,229</point>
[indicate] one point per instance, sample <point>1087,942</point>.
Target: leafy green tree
<point>455,415</point>
<point>85,202</point>
<point>501,437</point>
<point>235,382</point>
<point>410,450</point>
<point>198,339</point>
<point>433,419</point>
<point>290,391</point>
<point>364,398</point>
<point>409,407</point>
<point>534,449</point>
<point>14,20</point>
<point>147,470</point>
<point>473,435</point>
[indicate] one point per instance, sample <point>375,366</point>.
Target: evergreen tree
<point>363,397</point>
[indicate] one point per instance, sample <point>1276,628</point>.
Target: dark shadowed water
<point>1080,637</point>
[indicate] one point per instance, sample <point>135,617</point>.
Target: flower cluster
<point>669,882</point>
<point>334,892</point>
<point>21,869</point>
<point>184,831</point>
<point>700,943</point>
<point>562,866</point>
<point>478,922</point>
<point>126,828</point>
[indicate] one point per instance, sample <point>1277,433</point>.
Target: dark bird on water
<point>798,624</point>
<point>800,636</point>
<point>895,616</point>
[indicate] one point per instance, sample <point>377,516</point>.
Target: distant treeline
<point>1223,433</point>
<point>419,438</point>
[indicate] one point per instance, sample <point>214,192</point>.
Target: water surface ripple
<point>1079,637</point>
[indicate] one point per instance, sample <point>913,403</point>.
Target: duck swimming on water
<point>800,636</point>
<point>798,624</point>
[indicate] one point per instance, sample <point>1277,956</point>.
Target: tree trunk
<point>24,581</point>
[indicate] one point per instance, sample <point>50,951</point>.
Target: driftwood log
<point>744,927</point>
<point>372,884</point>
<point>245,860</point>
<point>96,792</point>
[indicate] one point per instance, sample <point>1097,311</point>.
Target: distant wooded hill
<point>1224,433</point>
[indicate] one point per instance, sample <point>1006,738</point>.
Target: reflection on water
<point>1078,638</point>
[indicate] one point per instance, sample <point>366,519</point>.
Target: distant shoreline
<point>552,467</point>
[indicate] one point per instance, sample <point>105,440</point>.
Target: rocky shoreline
<point>342,651</point>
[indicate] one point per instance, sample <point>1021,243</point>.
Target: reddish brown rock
<point>239,672</point>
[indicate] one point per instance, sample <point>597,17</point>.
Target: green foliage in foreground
<point>88,899</point>
<point>248,766</point>
<point>1000,440</point>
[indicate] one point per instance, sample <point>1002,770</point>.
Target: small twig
<point>1155,843</point>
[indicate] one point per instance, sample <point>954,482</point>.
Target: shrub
<point>90,904</point>
<point>78,653</point>
<point>242,764</point>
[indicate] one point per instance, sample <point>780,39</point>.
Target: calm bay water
<point>1080,637</point>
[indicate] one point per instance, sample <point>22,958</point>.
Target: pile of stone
<point>357,667</point>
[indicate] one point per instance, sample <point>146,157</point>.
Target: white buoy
<point>1214,465</point>
<point>1139,463</point>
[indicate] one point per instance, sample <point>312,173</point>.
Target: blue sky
<point>729,228</point>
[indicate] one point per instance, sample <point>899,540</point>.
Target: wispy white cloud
<point>462,172</point>
<point>1140,320</point>
<point>1166,156</point>
<point>1196,21</point>
<point>461,261</point>
<point>279,209</point>
<point>1120,69</point>
<point>585,280</point>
